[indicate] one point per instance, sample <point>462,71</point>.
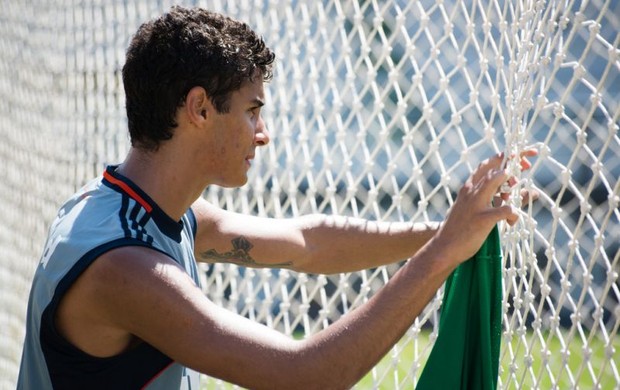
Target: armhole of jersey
<point>48,315</point>
<point>150,361</point>
<point>192,220</point>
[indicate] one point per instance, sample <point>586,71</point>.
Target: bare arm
<point>136,291</point>
<point>315,243</point>
<point>140,292</point>
<point>221,344</point>
<point>312,243</point>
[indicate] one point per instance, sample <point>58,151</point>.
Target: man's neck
<point>167,182</point>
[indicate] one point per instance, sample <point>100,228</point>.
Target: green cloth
<point>466,352</point>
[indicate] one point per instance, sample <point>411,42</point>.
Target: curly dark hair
<point>182,49</point>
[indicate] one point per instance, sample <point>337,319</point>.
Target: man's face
<point>236,134</point>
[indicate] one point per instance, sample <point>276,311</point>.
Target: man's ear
<point>198,105</point>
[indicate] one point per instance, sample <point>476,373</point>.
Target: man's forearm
<point>340,355</point>
<point>313,243</point>
<point>342,244</point>
<point>365,334</point>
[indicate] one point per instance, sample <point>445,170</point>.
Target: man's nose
<point>262,134</point>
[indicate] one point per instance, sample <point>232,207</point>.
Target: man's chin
<point>233,183</point>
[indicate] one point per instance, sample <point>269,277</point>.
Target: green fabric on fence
<point>466,352</point>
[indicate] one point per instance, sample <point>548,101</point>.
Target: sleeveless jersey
<point>109,212</point>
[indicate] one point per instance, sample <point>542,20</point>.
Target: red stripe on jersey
<point>128,190</point>
<point>147,384</point>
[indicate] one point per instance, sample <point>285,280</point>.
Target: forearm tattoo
<point>240,255</point>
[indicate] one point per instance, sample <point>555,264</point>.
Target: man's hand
<point>527,196</point>
<point>472,216</point>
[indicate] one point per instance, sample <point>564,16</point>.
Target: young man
<point>116,301</point>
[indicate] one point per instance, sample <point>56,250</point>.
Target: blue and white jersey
<point>108,213</point>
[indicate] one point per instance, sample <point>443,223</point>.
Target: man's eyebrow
<point>257,102</point>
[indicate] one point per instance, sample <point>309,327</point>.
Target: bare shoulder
<point>208,216</point>
<point>115,297</point>
<point>205,211</point>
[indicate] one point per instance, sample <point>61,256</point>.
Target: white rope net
<point>378,109</point>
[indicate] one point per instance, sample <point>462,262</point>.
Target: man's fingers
<point>511,217</point>
<point>528,196</point>
<point>506,213</point>
<point>495,179</point>
<point>530,152</point>
<point>524,162</point>
<point>485,166</point>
